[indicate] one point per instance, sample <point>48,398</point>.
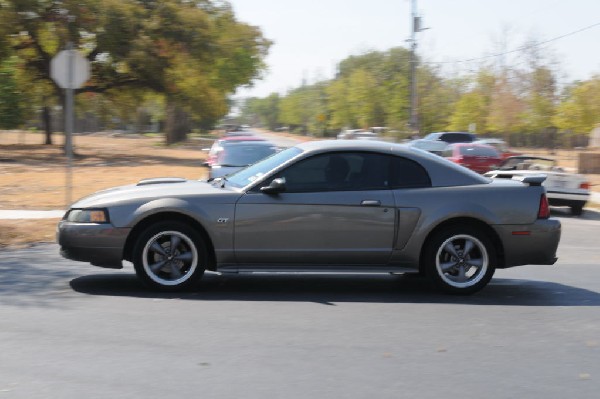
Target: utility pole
<point>416,28</point>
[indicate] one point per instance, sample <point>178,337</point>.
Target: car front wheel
<point>169,256</point>
<point>460,260</point>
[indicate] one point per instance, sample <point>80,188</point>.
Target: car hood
<point>150,189</point>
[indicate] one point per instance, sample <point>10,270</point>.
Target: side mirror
<point>277,186</point>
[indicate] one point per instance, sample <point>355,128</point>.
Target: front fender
<point>215,218</point>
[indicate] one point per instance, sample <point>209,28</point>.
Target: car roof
<point>254,143</point>
<point>467,133</point>
<point>472,144</point>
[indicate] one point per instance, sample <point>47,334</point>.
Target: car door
<point>337,210</point>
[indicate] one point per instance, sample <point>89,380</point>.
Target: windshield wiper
<point>228,165</point>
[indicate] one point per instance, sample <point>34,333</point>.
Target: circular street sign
<point>79,70</point>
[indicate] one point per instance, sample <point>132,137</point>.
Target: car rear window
<point>457,137</point>
<point>244,154</point>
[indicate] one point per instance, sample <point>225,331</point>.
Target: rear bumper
<point>532,244</point>
<point>99,244</point>
<point>561,198</point>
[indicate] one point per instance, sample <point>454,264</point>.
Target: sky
<point>312,36</point>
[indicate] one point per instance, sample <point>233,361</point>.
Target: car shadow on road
<point>564,212</point>
<point>330,289</point>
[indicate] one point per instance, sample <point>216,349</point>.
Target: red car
<point>480,158</point>
<point>501,146</point>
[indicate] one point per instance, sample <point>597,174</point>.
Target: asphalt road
<point>69,330</point>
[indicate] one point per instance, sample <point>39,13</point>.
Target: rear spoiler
<point>532,180</point>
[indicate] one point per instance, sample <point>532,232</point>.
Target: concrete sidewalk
<point>22,214</point>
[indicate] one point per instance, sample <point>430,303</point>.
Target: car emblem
<point>222,220</point>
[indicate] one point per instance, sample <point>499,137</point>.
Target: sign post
<point>70,70</point>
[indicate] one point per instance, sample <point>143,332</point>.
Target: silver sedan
<point>334,206</point>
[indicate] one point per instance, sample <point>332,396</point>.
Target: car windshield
<point>432,136</point>
<point>244,154</point>
<point>252,173</point>
<point>478,151</point>
<point>502,147</point>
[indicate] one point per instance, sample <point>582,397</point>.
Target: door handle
<point>371,203</point>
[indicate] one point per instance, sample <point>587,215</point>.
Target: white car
<point>562,188</point>
<point>437,142</point>
<point>357,134</point>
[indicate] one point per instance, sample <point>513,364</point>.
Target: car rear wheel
<point>169,256</point>
<point>460,260</point>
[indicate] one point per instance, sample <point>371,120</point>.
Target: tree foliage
<point>579,112</point>
<point>11,98</point>
<point>194,52</point>
<point>262,111</point>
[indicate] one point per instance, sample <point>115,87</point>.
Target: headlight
<point>88,216</point>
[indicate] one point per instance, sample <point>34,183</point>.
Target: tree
<point>194,52</point>
<point>11,98</point>
<point>540,99</point>
<point>266,110</point>
<point>473,106</point>
<point>470,109</point>
<point>506,109</point>
<point>436,100</point>
<point>579,112</point>
<point>371,90</point>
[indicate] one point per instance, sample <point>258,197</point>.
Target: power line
<point>517,49</point>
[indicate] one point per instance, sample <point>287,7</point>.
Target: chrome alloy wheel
<point>170,258</point>
<point>462,261</point>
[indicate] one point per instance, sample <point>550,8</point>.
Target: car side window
<point>338,171</point>
<point>407,173</point>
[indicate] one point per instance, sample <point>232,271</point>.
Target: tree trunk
<point>177,124</point>
<point>47,124</point>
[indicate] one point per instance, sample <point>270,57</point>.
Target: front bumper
<point>100,244</point>
<point>531,244</point>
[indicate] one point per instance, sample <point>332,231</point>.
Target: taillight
<point>544,210</point>
<point>585,186</point>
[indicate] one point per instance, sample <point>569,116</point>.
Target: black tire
<point>577,210</point>
<point>460,259</point>
<point>166,269</point>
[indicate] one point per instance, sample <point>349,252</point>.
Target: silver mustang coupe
<point>334,206</point>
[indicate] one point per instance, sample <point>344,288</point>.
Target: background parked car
<point>237,154</point>
<point>358,134</point>
<point>501,146</point>
<point>438,141</point>
<point>477,157</point>
<point>218,145</point>
<point>563,188</point>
